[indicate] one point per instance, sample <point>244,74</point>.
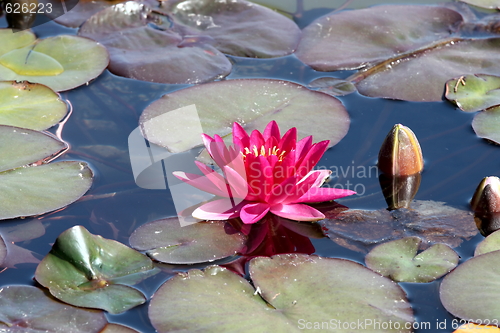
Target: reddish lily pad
<point>90,271</point>
<point>167,241</point>
<point>30,105</point>
<point>474,92</point>
<point>28,309</point>
<point>471,291</point>
<point>433,222</point>
<point>399,260</point>
<point>486,124</point>
<point>356,38</point>
<point>251,102</point>
<point>142,46</point>
<point>61,62</point>
<point>489,244</point>
<point>82,10</point>
<point>24,146</point>
<point>290,291</point>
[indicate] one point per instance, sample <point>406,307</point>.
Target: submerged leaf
<point>471,291</point>
<point>291,290</point>
<point>474,92</point>
<point>61,62</point>
<point>87,270</point>
<point>30,105</point>
<point>251,102</point>
<point>28,309</point>
<point>399,260</point>
<point>433,222</point>
<point>40,189</point>
<point>167,241</point>
<point>486,124</point>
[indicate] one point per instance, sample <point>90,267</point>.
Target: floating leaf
<point>40,189</point>
<point>30,105</point>
<point>251,102</point>
<point>239,27</point>
<point>28,309</point>
<point>353,39</point>
<point>433,222</point>
<point>399,260</point>
<point>486,124</point>
<point>489,244</point>
<point>474,92</point>
<point>471,291</point>
<point>115,328</point>
<point>291,290</point>
<point>167,241</point>
<point>90,271</point>
<point>332,86</point>
<point>21,146</point>
<point>19,233</point>
<point>141,46</point>
<point>60,62</point>
<point>491,4</point>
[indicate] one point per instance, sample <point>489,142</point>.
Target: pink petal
<point>297,212</point>
<point>237,184</point>
<point>288,141</point>
<point>272,130</point>
<point>221,209</point>
<point>240,137</point>
<point>282,191</point>
<point>312,158</point>
<point>257,140</point>
<point>216,148</point>
<point>321,194</point>
<point>213,176</point>
<point>200,182</point>
<point>312,179</point>
<point>286,168</point>
<point>254,212</point>
<point>303,147</point>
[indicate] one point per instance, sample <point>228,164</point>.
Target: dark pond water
<point>106,111</point>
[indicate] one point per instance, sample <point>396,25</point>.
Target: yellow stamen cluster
<point>262,152</point>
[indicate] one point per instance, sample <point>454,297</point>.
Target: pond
<point>107,110</point>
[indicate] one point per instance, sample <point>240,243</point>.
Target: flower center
<point>263,152</point>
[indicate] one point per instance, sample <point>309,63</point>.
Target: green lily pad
<point>90,271</point>
<point>332,86</point>
<point>35,190</point>
<point>489,244</point>
<point>474,92</point>
<point>490,4</point>
<point>28,309</point>
<point>291,292</point>
<point>167,241</point>
<point>60,62</point>
<point>399,260</point>
<point>486,124</point>
<point>213,107</point>
<point>30,105</point>
<point>471,291</point>
<point>23,146</point>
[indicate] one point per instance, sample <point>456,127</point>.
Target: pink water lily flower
<point>262,173</point>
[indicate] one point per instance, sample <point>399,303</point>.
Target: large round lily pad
<point>213,107</point>
<point>292,292</point>
<point>30,105</point>
<point>486,124</point>
<point>28,191</point>
<point>21,146</point>
<point>472,290</point>
<point>167,241</point>
<point>399,260</point>
<point>60,62</point>
<point>28,309</point>
<point>474,92</point>
<point>90,271</point>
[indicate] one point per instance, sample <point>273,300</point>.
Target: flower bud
<point>400,154</point>
<point>399,191</point>
<point>486,205</point>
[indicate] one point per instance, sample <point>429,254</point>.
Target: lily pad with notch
<point>90,271</point>
<point>398,260</point>
<point>167,241</point>
<point>285,289</point>
<point>489,244</point>
<point>486,124</point>
<point>474,92</point>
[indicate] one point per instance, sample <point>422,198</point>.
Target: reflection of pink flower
<point>263,173</point>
